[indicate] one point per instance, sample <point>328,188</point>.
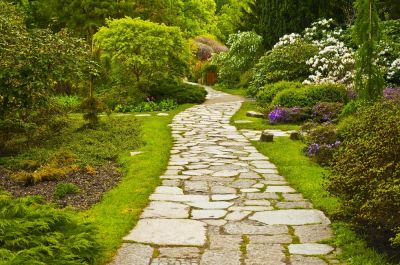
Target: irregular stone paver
<point>222,202</point>
<point>310,249</point>
<point>179,232</point>
<point>137,254</point>
<point>290,217</point>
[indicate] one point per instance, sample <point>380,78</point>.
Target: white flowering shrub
<point>334,62</point>
<point>288,40</point>
<point>393,74</point>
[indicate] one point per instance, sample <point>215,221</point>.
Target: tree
<point>274,18</point>
<point>368,78</point>
<point>148,50</point>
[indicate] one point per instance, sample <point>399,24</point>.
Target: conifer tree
<point>369,79</point>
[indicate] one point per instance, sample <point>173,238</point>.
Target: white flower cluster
<point>394,71</point>
<point>334,62</point>
<point>287,40</point>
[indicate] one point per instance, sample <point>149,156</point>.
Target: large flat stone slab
<point>302,260</point>
<point>129,254</point>
<point>290,217</point>
<point>218,257</point>
<point>178,198</point>
<point>160,209</point>
<point>175,232</point>
<point>310,249</point>
<point>211,205</point>
<point>169,190</point>
<point>208,214</point>
<point>240,228</point>
<point>313,233</point>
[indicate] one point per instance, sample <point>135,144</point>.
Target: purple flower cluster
<point>326,112</point>
<point>392,93</point>
<point>314,148</point>
<point>278,115</point>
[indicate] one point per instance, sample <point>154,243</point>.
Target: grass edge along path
<point>308,178</point>
<point>120,208</point>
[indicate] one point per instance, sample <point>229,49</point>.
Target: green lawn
<point>234,91</point>
<point>258,123</point>
<point>121,207</point>
<point>308,178</point>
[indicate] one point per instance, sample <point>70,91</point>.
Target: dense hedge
<point>180,92</point>
<point>35,233</point>
<point>366,173</point>
<point>266,94</point>
<point>311,95</point>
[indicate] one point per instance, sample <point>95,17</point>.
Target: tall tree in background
<point>275,18</point>
<point>369,79</point>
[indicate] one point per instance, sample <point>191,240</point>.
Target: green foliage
<point>266,94</point>
<point>147,50</point>
<point>310,95</point>
<point>68,104</point>
<point>148,106</point>
<point>35,233</point>
<point>63,189</point>
<point>286,62</point>
<point>351,108</point>
<point>182,93</point>
<point>272,19</point>
<point>369,80</point>
<point>91,107</point>
<point>244,49</point>
<point>366,172</point>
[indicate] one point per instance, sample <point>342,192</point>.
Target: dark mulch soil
<point>91,187</point>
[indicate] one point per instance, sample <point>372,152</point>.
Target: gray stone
<point>257,202</point>
<point>266,137</point>
<point>178,198</point>
<point>136,153</point>
<point>249,175</point>
<point>242,121</point>
<point>224,197</point>
<point>218,257</point>
<point>176,232</point>
<point>240,228</point>
<point>293,197</point>
<point>295,136</point>
<point>276,239</point>
<point>211,205</point>
<point>301,260</point>
<point>251,208</point>
<point>243,183</point>
<point>260,196</point>
<point>266,170</point>
<point>250,190</point>
<point>222,190</point>
<point>179,252</point>
<point>237,215</point>
<point>215,222</point>
<point>313,233</point>
<point>225,242</point>
<point>169,190</point>
<point>310,249</point>
<point>196,186</point>
<point>130,254</point>
<point>282,189</point>
<point>255,114</point>
<point>294,205</point>
<point>265,254</point>
<point>159,209</point>
<point>226,173</point>
<point>171,182</point>
<point>290,217</point>
<point>208,214</point>
<point>142,115</point>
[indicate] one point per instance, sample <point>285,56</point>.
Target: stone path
<point>223,203</point>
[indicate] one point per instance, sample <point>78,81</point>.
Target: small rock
<point>295,136</point>
<point>162,114</point>
<point>266,137</point>
<point>136,153</point>
<point>310,249</point>
<point>255,114</point>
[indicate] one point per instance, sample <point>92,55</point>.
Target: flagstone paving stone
<point>221,202</point>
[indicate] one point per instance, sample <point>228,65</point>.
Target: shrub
<point>325,111</point>
<point>181,92</point>
<point>351,108</point>
<point>286,115</point>
<point>366,172</point>
<point>287,62</point>
<point>63,189</point>
<point>244,49</point>
<point>266,94</point>
<point>392,93</point>
<point>148,106</point>
<point>35,233</point>
<point>68,104</point>
<point>322,143</point>
<point>311,95</point>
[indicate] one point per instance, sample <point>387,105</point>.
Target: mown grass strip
<point>121,207</point>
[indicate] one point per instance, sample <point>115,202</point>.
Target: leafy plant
<point>366,172</point>
<point>32,232</point>
<point>266,94</point>
<point>63,189</point>
<point>326,111</point>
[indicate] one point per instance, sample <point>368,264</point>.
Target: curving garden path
<point>223,203</point>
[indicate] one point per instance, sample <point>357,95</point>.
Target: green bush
<point>269,91</point>
<point>148,106</point>
<point>283,63</point>
<point>181,92</point>
<point>311,95</point>
<point>35,233</point>
<point>63,189</point>
<point>68,103</point>
<point>366,173</point>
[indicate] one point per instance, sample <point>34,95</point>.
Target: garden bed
<point>91,187</point>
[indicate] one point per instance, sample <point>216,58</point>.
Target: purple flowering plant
<point>279,115</point>
<point>392,93</point>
